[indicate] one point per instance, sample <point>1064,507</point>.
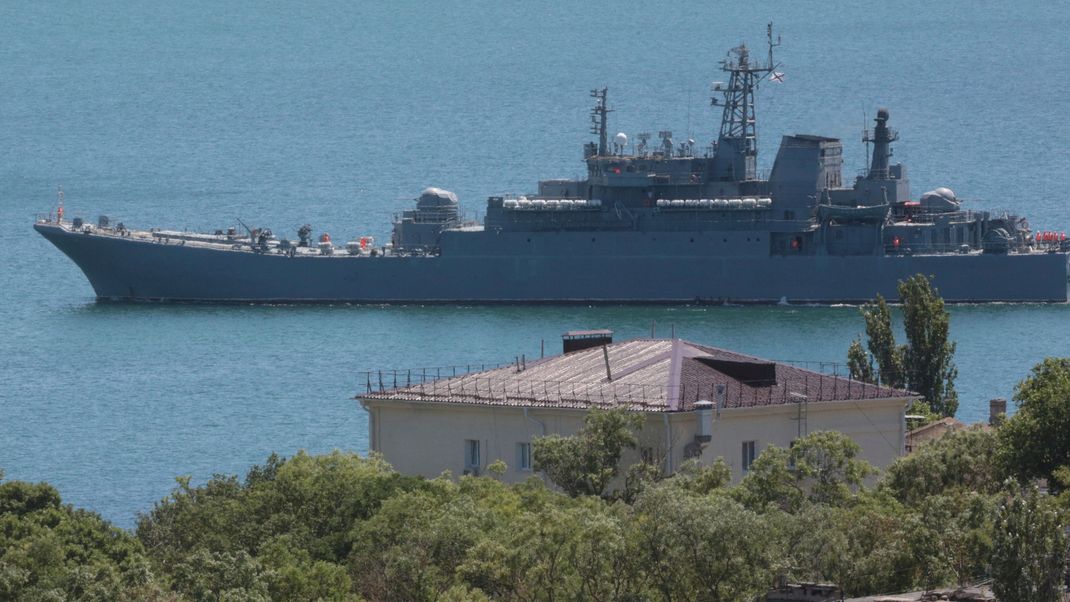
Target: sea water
<point>197,114</point>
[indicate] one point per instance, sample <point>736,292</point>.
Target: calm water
<point>195,114</point>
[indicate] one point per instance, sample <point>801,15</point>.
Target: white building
<point>699,401</point>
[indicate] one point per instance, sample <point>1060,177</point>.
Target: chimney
<point>997,411</point>
<point>578,340</point>
<point>704,410</point>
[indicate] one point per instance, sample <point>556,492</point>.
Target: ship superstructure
<point>653,221</point>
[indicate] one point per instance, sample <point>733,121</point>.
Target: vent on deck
<point>577,340</point>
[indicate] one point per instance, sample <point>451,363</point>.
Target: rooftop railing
<point>512,388</point>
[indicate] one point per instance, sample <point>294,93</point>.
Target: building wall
<point>429,438</point>
<point>876,425</point>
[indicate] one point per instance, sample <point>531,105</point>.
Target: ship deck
<point>218,242</point>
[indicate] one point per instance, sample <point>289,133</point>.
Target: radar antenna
<point>644,137</point>
<point>737,147</point>
<point>598,119</point>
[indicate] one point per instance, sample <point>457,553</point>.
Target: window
<point>471,454</point>
<point>748,455</point>
<point>523,456</point>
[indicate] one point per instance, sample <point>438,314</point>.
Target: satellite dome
<point>947,193</point>
<point>939,200</point>
<point>621,139</point>
<point>434,198</point>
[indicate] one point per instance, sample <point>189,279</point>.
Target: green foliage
<point>822,467</point>
<point>859,363</point>
<point>497,468</point>
<point>305,505</point>
<point>881,342</point>
<point>863,547</point>
<point>49,551</point>
<point>585,463</point>
<point>923,413</point>
<point>924,364</point>
<point>315,500</point>
<point>343,528</point>
<point>1035,442</point>
<point>702,479</point>
<point>1029,549</point>
<point>960,461</point>
<point>927,357</point>
<point>703,547</point>
<point>828,462</point>
<point>205,576</point>
<point>961,525</point>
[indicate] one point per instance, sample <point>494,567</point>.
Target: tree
<point>859,363</point>
<point>585,463</point>
<point>925,363</point>
<point>315,500</point>
<point>881,343</point>
<point>702,547</point>
<point>828,463</point>
<point>960,461</point>
<point>1035,442</point>
<point>51,551</point>
<point>1029,549</point>
<point>821,468</point>
<point>928,355</point>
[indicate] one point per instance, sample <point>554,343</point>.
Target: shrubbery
<point>342,527</point>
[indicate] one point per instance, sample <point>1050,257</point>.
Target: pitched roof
<point>660,375</point>
<point>949,423</point>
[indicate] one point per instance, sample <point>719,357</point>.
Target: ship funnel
<point>882,136</point>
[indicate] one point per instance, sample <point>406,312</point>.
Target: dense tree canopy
<point>1029,549</point>
<point>342,527</point>
<point>960,461</point>
<point>50,551</point>
<point>1035,442</point>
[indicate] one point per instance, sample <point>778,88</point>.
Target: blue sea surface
<point>194,114</point>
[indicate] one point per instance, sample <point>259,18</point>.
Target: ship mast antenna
<point>598,119</point>
<point>772,45</point>
<point>865,136</point>
<point>737,144</point>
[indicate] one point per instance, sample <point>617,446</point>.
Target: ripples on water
<point>195,114</point>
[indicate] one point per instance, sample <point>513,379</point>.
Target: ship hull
<point>612,271</point>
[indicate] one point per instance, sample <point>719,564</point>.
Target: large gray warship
<point>652,222</point>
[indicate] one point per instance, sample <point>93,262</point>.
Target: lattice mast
<point>736,157</point>
<point>598,120</point>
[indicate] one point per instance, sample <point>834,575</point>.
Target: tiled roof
<point>662,375</point>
